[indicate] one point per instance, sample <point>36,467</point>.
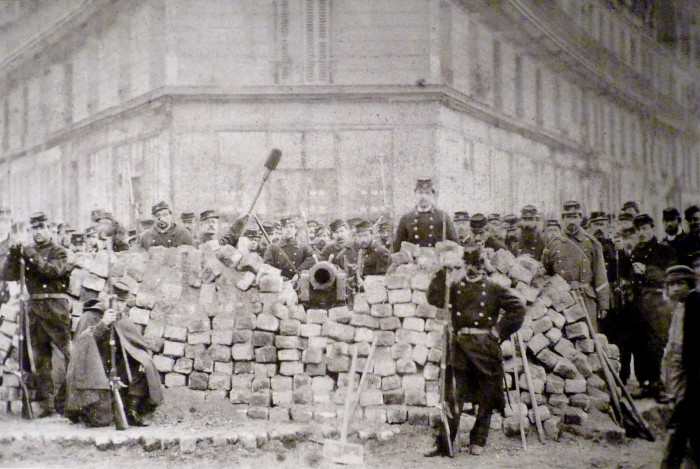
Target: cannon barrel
<point>322,275</point>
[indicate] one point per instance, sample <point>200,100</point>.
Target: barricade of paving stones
<point>220,320</point>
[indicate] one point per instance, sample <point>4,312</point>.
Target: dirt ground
<point>404,450</point>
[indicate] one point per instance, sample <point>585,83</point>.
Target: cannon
<point>323,286</point>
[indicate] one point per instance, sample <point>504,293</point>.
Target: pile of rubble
<point>220,321</point>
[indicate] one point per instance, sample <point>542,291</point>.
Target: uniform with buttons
<point>424,228</point>
<point>172,237</point>
<point>482,313</point>
<point>280,254</point>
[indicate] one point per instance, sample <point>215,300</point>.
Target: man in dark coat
<point>47,276</point>
<point>673,227</point>
<point>475,360</point>
<point>682,368</point>
<point>461,221</point>
<point>424,224</point>
<point>482,236</point>
<point>688,248</point>
<point>165,232</point>
<point>89,398</point>
<point>652,313</point>
<point>373,258</point>
<point>288,254</point>
<point>342,251</point>
<point>110,231</point>
<point>531,240</point>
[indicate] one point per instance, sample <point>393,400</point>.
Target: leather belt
<point>472,331</point>
<point>49,296</point>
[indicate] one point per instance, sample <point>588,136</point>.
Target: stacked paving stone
<point>218,320</point>
<point>10,398</point>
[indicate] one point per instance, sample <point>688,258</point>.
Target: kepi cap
<point>478,221</point>
<point>679,273</point>
<point>690,211</point>
<point>461,216</point>
<point>162,205</point>
<point>187,216</point>
<point>571,207</point>
<point>207,214</point>
<point>643,219</point>
<point>424,184</point>
<point>37,218</point>
<point>670,213</point>
<point>599,216</point>
<point>528,212</point>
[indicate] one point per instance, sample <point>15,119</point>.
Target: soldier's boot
<point>133,414</point>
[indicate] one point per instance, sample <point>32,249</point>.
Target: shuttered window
<point>316,41</point>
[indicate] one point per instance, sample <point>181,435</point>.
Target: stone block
<point>502,260</point>
<point>288,355</point>
<point>282,398</point>
<point>595,381</point>
<point>310,330</point>
<point>577,330</point>
<point>270,283</point>
<point>173,349</point>
<point>404,310</point>
<point>183,366</point>
<point>541,326</point>
<point>245,281</point>
<point>536,310</point>
<point>420,281</point>
<point>397,282</point>
<point>195,351</point>
<point>223,321</point>
<point>581,363</point>
<point>434,325</point>
<point>414,324</point>
<point>316,316</point>
<point>419,416</point>
<point>139,316</point>
<point>390,323</point>
<point>313,355</point>
<point>267,322</point>
<point>340,314</point>
<point>245,320</point>
<point>582,401</point>
<point>413,382</point>
<point>219,353</point>
<point>406,366</point>
<point>198,381</point>
<point>203,363</point>
<point>426,311</point>
<point>174,380</point>
<point>415,397</point>
<point>364,320</point>
<point>399,296</point>
<point>598,398</point>
<point>244,367</point>
<point>267,354</point>
<point>163,364</point>
<point>262,338</point>
<point>573,314</point>
<point>566,369</point>
<point>93,282</point>
<point>289,342</point>
<point>176,333</point>
<point>384,365</point>
<point>376,294</point>
<point>220,381</point>
<point>194,338</point>
<point>554,384</point>
<point>565,348</point>
<point>575,416</point>
<point>291,368</point>
<point>420,354</point>
<point>543,412</point>
<point>585,345</point>
<point>552,428</point>
<point>527,293</point>
<point>223,367</point>
<point>261,398</point>
<point>538,343</point>
<point>385,338</point>
<point>548,358</point>
<point>278,310</point>
<point>410,337</point>
<point>315,369</point>
<point>199,324</point>
<point>381,310</point>
<point>371,397</point>
<point>302,414</point>
<point>520,274</point>
<point>360,305</point>
<point>537,384</point>
<point>558,319</point>
<point>558,401</point>
<point>575,386</point>
<point>338,331</point>
<point>401,258</point>
<point>222,336</point>
<point>553,335</point>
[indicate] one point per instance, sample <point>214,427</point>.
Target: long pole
<point>521,423</point>
<point>531,389</point>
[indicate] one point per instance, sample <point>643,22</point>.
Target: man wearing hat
<point>385,233</point>
<point>631,207</point>
<point>461,220</point>
<point>321,238</point>
<point>288,254</point>
<point>110,231</point>
<point>625,220</point>
<point>483,314</point>
<point>89,397</point>
<point>673,226</point>
<point>497,228</point>
<point>208,226</point>
<point>688,248</point>
<point>165,232</point>
<point>47,274</point>
<point>512,232</point>
<point>652,313</point>
<point>681,368</point>
<point>552,230</point>
<point>342,251</point>
<point>372,258</point>
<point>578,258</point>
<point>424,224</point>
<point>253,237</point>
<point>187,222</point>
<point>481,235</point>
<point>531,240</point>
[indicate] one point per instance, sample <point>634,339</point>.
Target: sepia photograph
<point>350,233</point>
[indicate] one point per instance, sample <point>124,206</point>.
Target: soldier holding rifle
<point>47,271</point>
<point>111,356</point>
<point>474,358</point>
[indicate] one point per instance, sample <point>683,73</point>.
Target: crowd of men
<point>615,260</point>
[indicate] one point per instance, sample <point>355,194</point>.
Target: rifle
<point>359,270</point>
<point>115,384</point>
<point>27,411</point>
<point>443,406</point>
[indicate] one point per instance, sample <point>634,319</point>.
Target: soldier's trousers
<point>461,393</point>
<point>49,323</point>
<point>685,430</point>
<point>650,333</point>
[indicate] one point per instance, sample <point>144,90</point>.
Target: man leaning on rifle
<point>474,359</point>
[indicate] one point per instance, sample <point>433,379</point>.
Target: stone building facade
<point>120,103</point>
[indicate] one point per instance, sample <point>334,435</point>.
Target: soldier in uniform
<point>512,232</point>
<point>482,235</point>
<point>673,226</point>
<point>461,220</point>
<point>578,258</point>
<point>288,254</point>
<point>496,228</point>
<point>423,225</point>
<point>385,233</point>
<point>91,239</point>
<point>552,230</point>
<point>253,237</point>
<point>47,277</point>
<point>600,229</point>
<point>625,220</point>
<point>688,248</point>
<point>321,238</point>
<point>208,226</point>
<point>652,313</point>
<point>77,242</point>
<point>187,222</point>
<point>110,230</point>
<point>373,258</point>
<point>89,395</point>
<point>165,232</point>
<point>531,240</point>
<point>342,251</point>
<point>631,207</point>
<point>475,360</point>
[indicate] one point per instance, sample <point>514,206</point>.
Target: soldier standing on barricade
<point>288,254</point>
<point>688,248</point>
<point>208,227</point>
<point>165,232</point>
<point>481,313</point>
<point>47,272</point>
<point>372,257</point>
<point>652,313</point>
<point>342,251</point>
<point>423,225</point>
<point>578,258</point>
<point>253,236</point>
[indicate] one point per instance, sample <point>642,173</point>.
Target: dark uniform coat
<point>578,259</point>
<point>688,249</point>
<point>495,244</point>
<point>423,228</point>
<point>47,276</point>
<point>300,255</point>
<point>376,259</point>
<point>88,389</point>
<point>173,237</point>
<point>529,243</point>
<point>344,257</point>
